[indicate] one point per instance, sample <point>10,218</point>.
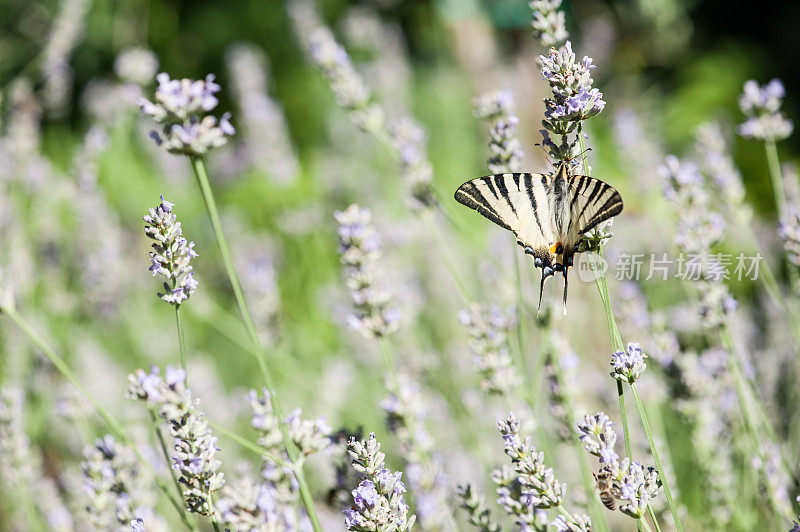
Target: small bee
<point>605,488</point>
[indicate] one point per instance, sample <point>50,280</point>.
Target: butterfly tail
<point>547,271</point>
<point>541,291</point>
<point>565,290</point>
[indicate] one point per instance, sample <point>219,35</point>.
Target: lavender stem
<point>115,427</point>
<point>208,196</point>
<point>181,337</point>
<point>654,451</point>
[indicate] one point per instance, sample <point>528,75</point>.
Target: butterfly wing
<point>519,202</point>
<point>514,201</point>
<point>528,204</point>
<point>592,202</point>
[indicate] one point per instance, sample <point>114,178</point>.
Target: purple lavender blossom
<point>330,57</point>
<point>266,143</point>
<point>548,22</point>
<point>195,447</point>
<point>628,365</point>
<point>172,253</point>
<point>699,227</point>
<point>358,250</point>
<point>540,486</point>
<point>789,231</point>
<point>574,99</point>
<point>255,506</point>
<point>761,105</point>
<point>181,106</point>
<point>110,472</point>
<point>408,140</point>
<point>488,329</point>
<point>720,167</point>
<point>637,488</point>
<point>506,150</point>
<point>596,434</point>
<point>378,502</point>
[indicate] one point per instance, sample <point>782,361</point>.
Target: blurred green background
<point>676,63</point>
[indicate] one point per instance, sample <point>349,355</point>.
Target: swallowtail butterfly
<point>547,213</point>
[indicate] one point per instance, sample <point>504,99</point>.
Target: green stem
<point>616,345</point>
<point>115,427</point>
<point>646,526</point>
<point>654,451</point>
<point>388,360</point>
<point>653,517</point>
<point>775,174</point>
<point>162,444</point>
<point>247,444</point>
<point>181,338</point>
<point>211,206</point>
<point>778,190</point>
<point>757,424</point>
<point>65,370</point>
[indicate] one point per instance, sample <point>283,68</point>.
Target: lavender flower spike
<point>597,436</point>
<point>182,107</point>
<point>498,107</point>
<point>630,365</point>
<point>109,470</point>
<point>479,514</point>
<point>358,250</point>
<point>762,106</point>
<point>548,22</point>
<point>638,486</point>
<point>541,488</point>
<point>378,503</point>
<point>331,58</point>
<point>195,447</point>
<point>488,329</point>
<point>171,255</point>
<point>574,99</point>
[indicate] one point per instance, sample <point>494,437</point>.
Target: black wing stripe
<point>612,207</point>
<point>470,196</point>
<point>488,181</point>
<point>600,187</point>
<point>477,196</point>
<point>582,181</point>
<point>500,181</point>
<point>532,198</point>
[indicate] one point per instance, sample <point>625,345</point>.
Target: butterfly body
<point>548,213</point>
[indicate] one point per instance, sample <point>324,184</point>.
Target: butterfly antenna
<point>544,151</point>
<point>583,153</point>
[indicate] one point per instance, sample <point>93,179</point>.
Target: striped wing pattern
<point>592,202</point>
<point>514,201</point>
<point>547,213</point>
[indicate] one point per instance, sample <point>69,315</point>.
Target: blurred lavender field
<point>237,293</point>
